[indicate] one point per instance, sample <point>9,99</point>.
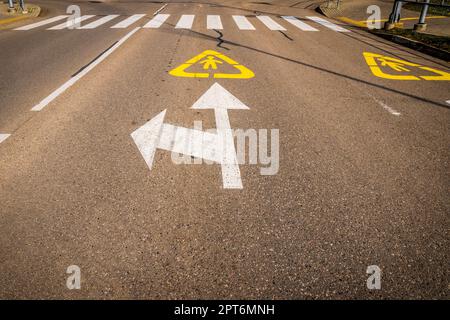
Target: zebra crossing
<point>186,21</point>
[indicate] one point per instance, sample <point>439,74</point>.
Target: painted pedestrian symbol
<point>396,69</point>
<point>212,61</point>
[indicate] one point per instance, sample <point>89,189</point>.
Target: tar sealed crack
<point>220,40</point>
<point>284,34</point>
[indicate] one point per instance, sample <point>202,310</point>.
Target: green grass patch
<point>440,42</point>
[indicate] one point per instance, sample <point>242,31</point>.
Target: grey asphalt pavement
<point>363,162</point>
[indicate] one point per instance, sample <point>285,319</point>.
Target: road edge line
<point>41,105</point>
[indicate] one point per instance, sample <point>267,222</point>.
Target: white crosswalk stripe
<point>214,22</point>
<point>299,24</point>
<point>42,23</point>
<point>270,23</point>
<point>128,21</point>
<point>3,137</point>
<point>157,21</point>
<point>328,24</point>
<point>243,23</point>
<point>99,22</point>
<point>185,21</point>
<point>71,22</point>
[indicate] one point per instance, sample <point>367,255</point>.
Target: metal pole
<point>394,14</point>
<point>399,11</point>
<point>423,13</point>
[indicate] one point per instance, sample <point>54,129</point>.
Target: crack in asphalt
<point>220,40</point>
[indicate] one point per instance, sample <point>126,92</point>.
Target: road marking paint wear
<point>327,24</point>
<point>180,71</point>
<point>157,21</point>
<point>243,23</point>
<point>377,61</point>
<point>185,21</point>
<point>270,23</point>
<point>214,22</point>
<point>129,21</point>
<point>299,24</point>
<point>3,137</point>
<point>385,106</point>
<point>41,105</point>
<point>42,23</point>
<point>71,22</point>
<point>99,22</point>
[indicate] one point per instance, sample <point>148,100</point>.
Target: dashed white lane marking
<point>328,24</point>
<point>71,22</point>
<point>386,107</point>
<point>299,24</point>
<point>185,21</point>
<point>243,23</point>
<point>3,137</point>
<point>41,105</point>
<point>129,21</point>
<point>214,22</point>
<point>157,21</point>
<point>160,9</point>
<point>42,23</point>
<point>99,22</point>
<point>270,23</point>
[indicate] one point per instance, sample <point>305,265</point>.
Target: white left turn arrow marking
<point>219,147</point>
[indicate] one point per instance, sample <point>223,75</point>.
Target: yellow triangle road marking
<point>378,65</point>
<point>211,61</point>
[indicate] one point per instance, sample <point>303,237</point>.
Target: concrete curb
<point>413,44</point>
<point>11,17</point>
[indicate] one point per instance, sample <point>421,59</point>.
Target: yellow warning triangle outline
<point>245,73</point>
<point>371,60</point>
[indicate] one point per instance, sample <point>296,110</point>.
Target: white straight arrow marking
<point>219,99</point>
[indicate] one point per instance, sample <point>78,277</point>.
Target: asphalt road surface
<point>363,161</point>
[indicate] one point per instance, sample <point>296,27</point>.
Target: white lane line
<point>3,137</point>
<point>270,23</point>
<point>42,23</point>
<point>328,24</point>
<point>299,24</point>
<point>99,22</point>
<point>71,22</point>
<point>386,107</point>
<point>157,21</point>
<point>243,23</point>
<point>185,21</point>
<point>128,21</point>
<point>41,105</point>
<point>160,9</point>
<point>214,22</point>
